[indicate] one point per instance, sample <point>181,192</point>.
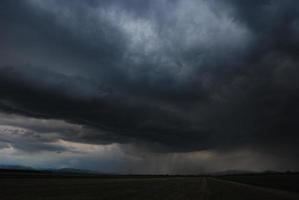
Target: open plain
<point>43,186</point>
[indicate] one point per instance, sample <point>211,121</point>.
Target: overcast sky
<point>150,86</point>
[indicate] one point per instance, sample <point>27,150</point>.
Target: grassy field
<point>55,187</point>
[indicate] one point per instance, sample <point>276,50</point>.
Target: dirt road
<point>221,189</point>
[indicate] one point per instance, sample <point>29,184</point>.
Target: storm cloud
<point>167,77</point>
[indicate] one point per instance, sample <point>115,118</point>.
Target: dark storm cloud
<point>50,95</point>
<point>206,75</point>
<point>30,30</point>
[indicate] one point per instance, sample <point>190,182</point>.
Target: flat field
<point>32,186</point>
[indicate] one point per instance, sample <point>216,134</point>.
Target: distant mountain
<point>16,167</point>
<point>49,170</point>
<point>74,170</point>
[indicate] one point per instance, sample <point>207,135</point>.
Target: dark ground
<point>16,185</point>
<point>281,181</point>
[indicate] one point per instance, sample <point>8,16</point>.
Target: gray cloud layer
<point>171,76</point>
